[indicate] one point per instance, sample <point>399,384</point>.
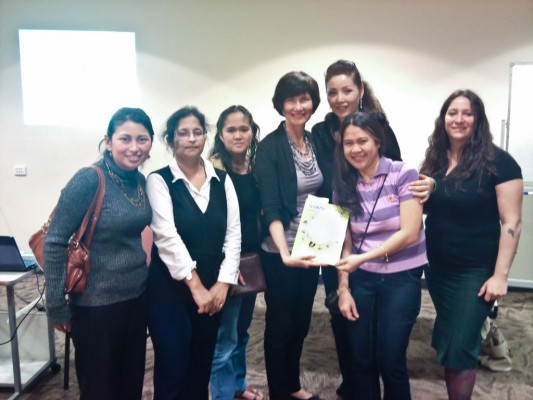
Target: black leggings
<point>339,327</point>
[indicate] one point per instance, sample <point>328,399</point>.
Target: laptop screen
<point>10,258</point>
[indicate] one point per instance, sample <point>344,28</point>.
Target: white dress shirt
<point>172,250</point>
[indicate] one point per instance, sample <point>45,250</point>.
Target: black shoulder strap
<point>372,213</point>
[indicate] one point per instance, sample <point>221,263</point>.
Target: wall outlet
<point>20,170</point>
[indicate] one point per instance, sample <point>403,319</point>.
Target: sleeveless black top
<point>249,209</point>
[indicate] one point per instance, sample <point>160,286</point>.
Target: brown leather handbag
<point>251,270</point>
<point>78,259</point>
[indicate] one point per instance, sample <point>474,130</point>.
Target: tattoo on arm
<point>510,232</point>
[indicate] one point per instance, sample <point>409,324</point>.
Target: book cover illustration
<point>321,231</point>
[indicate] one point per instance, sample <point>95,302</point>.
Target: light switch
<point>20,170</point>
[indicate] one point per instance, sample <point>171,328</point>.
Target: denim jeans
<point>239,354</point>
<point>228,373</point>
<point>222,375</point>
<point>388,305</point>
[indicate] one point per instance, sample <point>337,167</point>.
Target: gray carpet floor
<point>319,371</point>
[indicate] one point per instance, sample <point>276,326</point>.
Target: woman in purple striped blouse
<point>383,257</point>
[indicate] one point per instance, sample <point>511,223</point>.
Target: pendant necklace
<point>138,203</point>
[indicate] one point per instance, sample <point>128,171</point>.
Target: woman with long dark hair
<point>473,227</point>
<point>234,150</point>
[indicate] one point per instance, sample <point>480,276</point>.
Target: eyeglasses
<point>184,134</point>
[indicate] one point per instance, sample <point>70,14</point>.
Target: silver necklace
<point>307,167</point>
<point>306,148</point>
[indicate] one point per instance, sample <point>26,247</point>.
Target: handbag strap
<point>95,210</point>
<point>371,214</point>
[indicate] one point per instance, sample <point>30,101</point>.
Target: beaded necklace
<point>139,203</point>
<point>303,153</point>
<point>307,167</point>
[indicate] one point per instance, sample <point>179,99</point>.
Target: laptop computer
<point>10,257</point>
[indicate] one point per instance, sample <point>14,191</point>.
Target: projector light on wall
<point>76,78</point>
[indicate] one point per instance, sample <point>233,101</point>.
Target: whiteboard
<point>520,118</point>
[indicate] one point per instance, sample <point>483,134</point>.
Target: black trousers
<point>110,343</point>
<point>289,301</point>
<point>184,343</point>
<point>339,326</point>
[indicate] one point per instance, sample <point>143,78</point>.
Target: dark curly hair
<point>476,155</point>
<point>174,120</point>
<point>219,150</point>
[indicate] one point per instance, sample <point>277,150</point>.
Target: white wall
<point>216,53</point>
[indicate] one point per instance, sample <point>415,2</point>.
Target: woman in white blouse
<point>195,258</point>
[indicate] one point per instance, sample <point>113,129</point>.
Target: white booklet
<point>321,231</point>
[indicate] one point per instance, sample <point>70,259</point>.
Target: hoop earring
<point>361,104</point>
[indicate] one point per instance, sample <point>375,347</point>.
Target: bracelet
<point>341,290</point>
<point>386,256</point>
<point>434,184</point>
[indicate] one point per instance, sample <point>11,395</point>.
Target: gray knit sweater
<point>118,262</point>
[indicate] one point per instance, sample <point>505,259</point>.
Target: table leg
<point>11,310</point>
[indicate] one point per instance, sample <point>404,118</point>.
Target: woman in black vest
<point>195,257</point>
